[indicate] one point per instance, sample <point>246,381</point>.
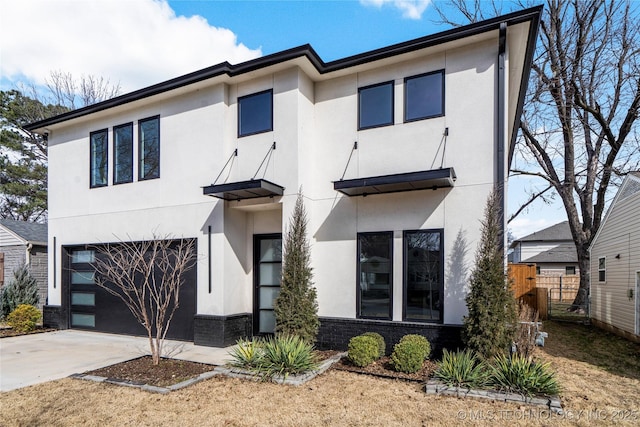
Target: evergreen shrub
<point>363,350</point>
<point>382,345</point>
<point>22,289</point>
<point>24,318</point>
<point>407,356</point>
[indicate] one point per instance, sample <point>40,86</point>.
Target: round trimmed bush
<point>363,350</point>
<point>24,318</point>
<point>407,357</point>
<point>420,341</point>
<point>382,346</point>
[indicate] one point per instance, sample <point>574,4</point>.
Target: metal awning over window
<point>244,190</point>
<point>410,181</point>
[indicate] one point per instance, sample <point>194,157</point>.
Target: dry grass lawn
<point>600,374</point>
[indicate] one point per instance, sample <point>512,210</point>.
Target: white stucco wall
<point>314,127</point>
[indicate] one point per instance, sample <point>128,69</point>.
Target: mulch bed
<point>143,371</point>
<point>382,368</point>
<point>8,332</point>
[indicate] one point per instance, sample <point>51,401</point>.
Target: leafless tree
<point>67,90</point>
<point>579,131</point>
<point>147,276</point>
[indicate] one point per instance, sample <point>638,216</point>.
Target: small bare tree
<point>147,277</point>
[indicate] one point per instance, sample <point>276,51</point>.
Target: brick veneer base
<point>221,331</point>
<point>53,316</point>
<point>335,333</point>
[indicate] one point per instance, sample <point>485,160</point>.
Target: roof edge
<point>531,14</point>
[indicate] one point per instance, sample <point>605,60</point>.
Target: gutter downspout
<point>27,257</point>
<point>500,123</point>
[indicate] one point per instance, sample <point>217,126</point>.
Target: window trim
<point>405,271</point>
<point>602,270</point>
<point>91,158</point>
<point>358,289</point>
<point>240,99</point>
<point>115,156</point>
<point>140,148</point>
<point>442,106</point>
<point>393,112</point>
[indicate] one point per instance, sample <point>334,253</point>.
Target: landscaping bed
<point>383,368</point>
<point>6,332</point>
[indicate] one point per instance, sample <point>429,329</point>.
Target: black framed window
<point>255,113</point>
<point>424,96</point>
<point>99,158</point>
<point>375,274</point>
<point>149,148</point>
<point>375,105</point>
<point>123,153</point>
<point>570,269</point>
<point>423,275</point>
<point>602,269</point>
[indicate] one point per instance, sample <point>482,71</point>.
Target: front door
<point>267,267</point>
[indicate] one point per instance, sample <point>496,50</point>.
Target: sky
<point>137,43</point>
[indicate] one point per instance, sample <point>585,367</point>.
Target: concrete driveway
<point>37,358</point>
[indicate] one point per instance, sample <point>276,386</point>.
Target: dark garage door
<point>93,308</point>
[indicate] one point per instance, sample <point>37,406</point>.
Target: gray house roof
<point>563,253</point>
<point>556,232</point>
<point>31,232</point>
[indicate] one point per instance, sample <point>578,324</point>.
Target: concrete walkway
<point>38,358</point>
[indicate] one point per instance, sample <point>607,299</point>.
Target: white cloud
<point>134,42</point>
<point>412,9</point>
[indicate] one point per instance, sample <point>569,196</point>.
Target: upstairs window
<point>570,269</point>
<point>255,113</point>
<point>424,96</point>
<point>149,148</point>
<point>602,269</point>
<point>98,162</point>
<point>123,153</point>
<point>375,105</point>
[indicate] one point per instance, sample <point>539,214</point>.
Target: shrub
<point>279,355</point>
<point>24,318</point>
<point>490,326</point>
<point>462,369</point>
<point>408,356</point>
<point>22,289</point>
<point>363,350</point>
<point>521,375</point>
<point>247,353</point>
<point>419,341</point>
<point>382,346</point>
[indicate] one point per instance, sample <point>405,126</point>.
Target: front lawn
<point>600,374</point>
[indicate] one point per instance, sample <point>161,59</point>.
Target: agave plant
<point>462,369</point>
<point>247,354</point>
<point>286,354</point>
<point>522,375</point>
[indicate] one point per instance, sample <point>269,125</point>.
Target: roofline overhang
<point>225,68</point>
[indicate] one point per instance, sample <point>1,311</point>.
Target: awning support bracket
<point>355,147</point>
<point>273,147</point>
<point>234,154</point>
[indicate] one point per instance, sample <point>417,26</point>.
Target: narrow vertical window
<point>149,148</point>
<point>424,96</point>
<point>123,153</point>
<point>375,268</point>
<point>423,275</point>
<point>602,269</point>
<point>98,162</point>
<point>375,105</point>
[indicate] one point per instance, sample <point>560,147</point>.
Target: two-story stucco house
<point>396,151</point>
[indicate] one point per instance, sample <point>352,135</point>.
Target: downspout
<point>500,123</point>
<point>27,257</point>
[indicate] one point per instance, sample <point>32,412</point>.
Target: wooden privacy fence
<point>561,288</point>
<point>523,284</point>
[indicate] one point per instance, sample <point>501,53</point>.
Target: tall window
<point>375,261</point>
<point>602,269</point>
<point>424,96</point>
<point>423,275</point>
<point>98,162</point>
<point>375,105</point>
<point>255,113</point>
<point>149,148</point>
<point>123,153</point>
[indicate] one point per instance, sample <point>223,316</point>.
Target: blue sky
<point>137,43</point>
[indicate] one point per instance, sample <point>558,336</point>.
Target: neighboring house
<point>396,151</point>
<point>551,249</point>
<point>21,243</point>
<point>615,263</point>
